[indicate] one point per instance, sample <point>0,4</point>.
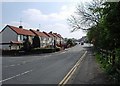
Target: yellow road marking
<point>71,72</point>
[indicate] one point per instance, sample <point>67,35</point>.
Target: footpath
<point>89,71</point>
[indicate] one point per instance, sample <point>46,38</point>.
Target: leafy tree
<point>26,44</point>
<point>112,22</point>
<point>102,22</point>
<point>36,42</point>
<point>70,42</point>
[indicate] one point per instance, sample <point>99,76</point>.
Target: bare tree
<point>86,16</point>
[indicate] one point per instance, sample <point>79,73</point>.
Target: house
<point>59,39</point>
<point>54,38</point>
<point>13,37</point>
<point>50,41</point>
<point>43,37</point>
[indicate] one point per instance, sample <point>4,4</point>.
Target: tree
<point>112,22</point>
<point>36,42</point>
<point>70,42</point>
<point>86,16</point>
<point>26,44</point>
<point>104,31</point>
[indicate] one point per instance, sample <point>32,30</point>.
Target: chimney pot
<point>20,26</point>
<point>51,32</point>
<point>38,30</point>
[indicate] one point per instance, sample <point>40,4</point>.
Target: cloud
<point>58,20</point>
<point>52,0</point>
<point>38,15</point>
<point>57,27</point>
<point>34,15</point>
<point>63,30</point>
<point>55,21</point>
<point>17,24</point>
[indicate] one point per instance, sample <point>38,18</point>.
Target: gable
<point>7,30</point>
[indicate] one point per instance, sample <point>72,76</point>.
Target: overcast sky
<point>45,15</point>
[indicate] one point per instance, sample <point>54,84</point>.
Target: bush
<point>110,69</point>
<point>57,49</point>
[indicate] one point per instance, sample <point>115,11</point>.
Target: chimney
<point>38,30</point>
<point>50,32</point>
<point>20,26</point>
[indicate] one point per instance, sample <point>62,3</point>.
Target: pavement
<point>89,71</point>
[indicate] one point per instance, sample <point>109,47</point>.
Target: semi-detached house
<point>50,41</point>
<point>43,37</point>
<point>14,36</point>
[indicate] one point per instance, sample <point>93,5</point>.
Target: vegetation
<point>70,43</point>
<point>36,42</point>
<point>26,44</point>
<point>33,48</point>
<point>101,20</point>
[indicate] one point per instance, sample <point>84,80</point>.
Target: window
<point>24,37</point>
<point>18,37</point>
<point>21,37</point>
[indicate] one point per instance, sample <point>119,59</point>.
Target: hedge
<point>33,51</point>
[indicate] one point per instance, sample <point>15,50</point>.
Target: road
<point>40,69</point>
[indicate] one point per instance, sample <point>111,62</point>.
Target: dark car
<point>82,43</point>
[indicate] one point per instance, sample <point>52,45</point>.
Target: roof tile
<point>38,33</point>
<point>21,31</point>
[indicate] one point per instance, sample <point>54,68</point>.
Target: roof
<point>31,32</point>
<point>58,36</point>
<point>38,33</point>
<point>48,34</point>
<point>20,31</point>
<point>53,35</point>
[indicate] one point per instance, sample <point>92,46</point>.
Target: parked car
<point>82,43</point>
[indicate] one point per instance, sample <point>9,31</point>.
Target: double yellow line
<point>71,72</point>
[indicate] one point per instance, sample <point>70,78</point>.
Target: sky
<point>43,15</point>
